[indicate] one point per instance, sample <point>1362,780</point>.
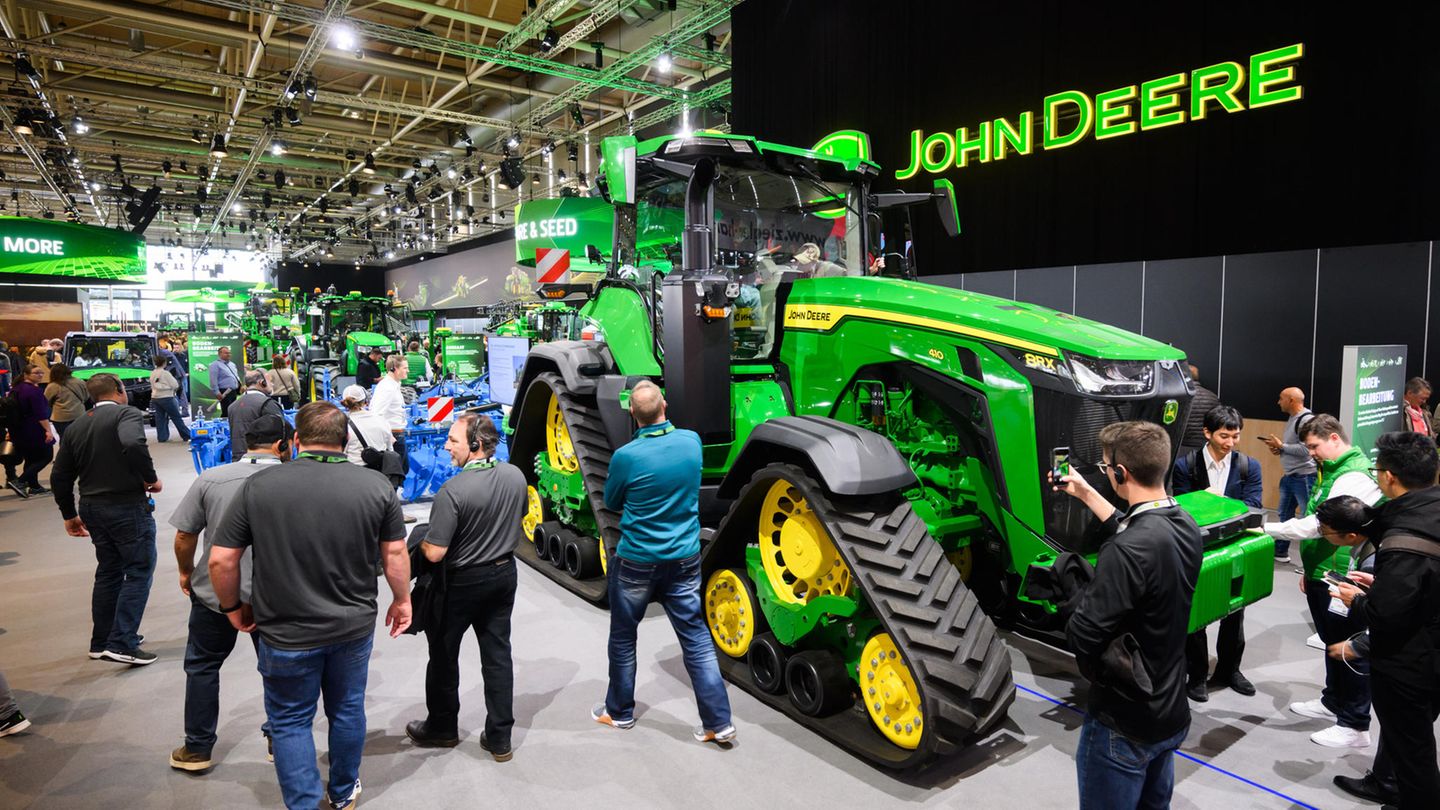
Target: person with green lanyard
<point>1344,470</point>
<point>419,366</point>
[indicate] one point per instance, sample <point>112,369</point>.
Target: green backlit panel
<point>66,251</point>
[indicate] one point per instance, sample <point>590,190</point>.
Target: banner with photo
<point>204,350</point>
<point>1372,398</point>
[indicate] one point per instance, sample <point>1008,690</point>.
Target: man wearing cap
<point>253,404</point>
<point>212,637</point>
<point>367,372</point>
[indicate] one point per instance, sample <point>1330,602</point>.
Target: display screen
<point>66,252</point>
<point>465,356</point>
<point>109,352</point>
<point>565,223</point>
<point>507,361</point>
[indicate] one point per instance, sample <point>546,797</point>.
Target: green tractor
<point>339,330</point>
<point>875,448</point>
<point>127,355</point>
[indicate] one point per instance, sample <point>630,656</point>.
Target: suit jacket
<point>1241,485</point>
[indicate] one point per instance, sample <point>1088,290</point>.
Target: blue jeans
<point>211,640</point>
<point>676,585</point>
<point>294,682</point>
<point>1117,772</point>
<point>124,538</point>
<point>1294,494</point>
<point>167,410</point>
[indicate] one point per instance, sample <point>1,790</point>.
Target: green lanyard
<point>324,459</point>
<point>661,432</point>
<point>479,465</point>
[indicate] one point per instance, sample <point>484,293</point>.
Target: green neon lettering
<point>914,167</point>
<point>980,145</point>
<point>946,142</point>
<point>1110,113</point>
<point>1018,139</point>
<point>1159,95</point>
<point>1264,72</point>
<point>1218,82</point>
<point>1085,110</point>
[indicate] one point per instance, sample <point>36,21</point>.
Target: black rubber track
<point>593,452</point>
<point>960,665</point>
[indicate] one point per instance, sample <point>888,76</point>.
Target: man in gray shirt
<point>254,403</point>
<point>1296,462</point>
<point>224,380</point>
<point>212,638</point>
<point>474,527</point>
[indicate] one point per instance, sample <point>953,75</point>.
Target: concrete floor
<point>103,732</point>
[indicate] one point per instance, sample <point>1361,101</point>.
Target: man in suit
<point>1219,468</point>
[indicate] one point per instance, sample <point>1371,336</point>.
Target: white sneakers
<point>1341,737</point>
<point>1313,708</point>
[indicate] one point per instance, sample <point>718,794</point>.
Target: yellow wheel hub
<point>963,559</point>
<point>730,613</point>
<point>534,513</point>
<point>604,563</point>
<point>557,439</point>
<point>891,696</point>
<point>800,560</point>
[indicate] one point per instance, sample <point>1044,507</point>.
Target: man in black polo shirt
<point>474,526</point>
<point>314,596</point>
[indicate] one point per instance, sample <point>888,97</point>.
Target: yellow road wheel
<point>891,696</point>
<point>731,612</point>
<point>557,439</point>
<point>963,559</point>
<point>800,559</point>
<point>534,513</point>
<point>604,563</point>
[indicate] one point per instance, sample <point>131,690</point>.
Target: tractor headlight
<point>1113,377</point>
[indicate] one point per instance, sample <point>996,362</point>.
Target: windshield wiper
<point>808,173</point>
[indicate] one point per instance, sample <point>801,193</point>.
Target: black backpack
<point>10,412</point>
<point>1200,477</point>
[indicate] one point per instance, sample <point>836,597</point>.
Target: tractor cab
<point>128,355</point>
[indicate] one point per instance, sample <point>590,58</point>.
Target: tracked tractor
<point>875,448</point>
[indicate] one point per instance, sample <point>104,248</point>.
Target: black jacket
<point>367,373</point>
<point>1200,404</point>
<point>106,450</point>
<point>1403,608</point>
<point>1144,581</point>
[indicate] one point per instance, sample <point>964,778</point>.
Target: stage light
<point>23,65</point>
<point>165,168</point>
<point>293,89</point>
<point>369,167</point>
<point>415,164</point>
<point>238,207</point>
<point>354,187</point>
<point>599,55</point>
<point>548,147</point>
<point>349,155</point>
<point>450,173</point>
<point>311,88</point>
<point>663,63</point>
<point>277,148</point>
<point>78,125</point>
<point>343,36</point>
<point>279,178</point>
<point>547,42</point>
<point>535,179</point>
<point>292,114</point>
<point>512,141</point>
<point>23,122</point>
<point>217,147</point>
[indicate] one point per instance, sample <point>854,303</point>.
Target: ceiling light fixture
<point>663,63</point>
<point>547,42</point>
<point>369,167</point>
<point>217,147</point>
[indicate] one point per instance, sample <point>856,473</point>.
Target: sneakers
<point>183,759</point>
<point>14,724</point>
<point>135,658</point>
<point>420,733</point>
<point>1313,708</point>
<point>496,752</point>
<point>19,489</point>
<point>1314,641</point>
<point>38,490</point>
<point>1282,559</point>
<point>349,801</point>
<point>600,715</point>
<point>722,736</point>
<point>1341,737</point>
<point>95,655</point>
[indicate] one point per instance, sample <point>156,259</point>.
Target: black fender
<point>578,362</point>
<point>845,459</point>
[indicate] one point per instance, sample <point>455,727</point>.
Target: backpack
<point>1200,477</point>
<point>10,412</point>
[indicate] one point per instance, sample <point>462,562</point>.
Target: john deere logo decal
<point>1172,412</point>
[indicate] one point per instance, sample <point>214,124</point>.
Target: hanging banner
<point>1372,394</point>
<point>464,357</point>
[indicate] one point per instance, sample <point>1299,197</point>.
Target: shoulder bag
<point>385,462</point>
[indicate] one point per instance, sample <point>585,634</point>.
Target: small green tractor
<point>875,448</point>
<point>128,355</point>
<point>340,329</point>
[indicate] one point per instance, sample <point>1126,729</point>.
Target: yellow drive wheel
<point>604,562</point>
<point>534,513</point>
<point>557,439</point>
<point>731,612</point>
<point>891,696</point>
<point>800,559</point>
<point>963,559</point>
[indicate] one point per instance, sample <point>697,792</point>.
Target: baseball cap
<point>354,393</point>
<point>267,430</point>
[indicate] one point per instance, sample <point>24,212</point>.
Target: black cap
<point>267,430</point>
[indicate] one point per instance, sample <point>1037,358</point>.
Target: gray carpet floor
<point>102,732</point>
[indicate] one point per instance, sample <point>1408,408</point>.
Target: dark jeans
<point>294,682</point>
<point>59,428</point>
<point>167,410</point>
<point>1407,717</point>
<point>1346,693</point>
<point>481,599</point>
<point>212,638</point>
<point>36,459</point>
<point>225,400</point>
<point>1229,647</point>
<point>124,538</point>
<point>1117,772</point>
<point>675,584</point>
<point>286,401</point>
<point>1294,494</point>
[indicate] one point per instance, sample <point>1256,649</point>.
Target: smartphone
<point>1059,462</point>
<point>1335,579</point>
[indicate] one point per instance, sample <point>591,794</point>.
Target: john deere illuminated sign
<point>1071,116</point>
<point>567,223</point>
<point>67,252</point>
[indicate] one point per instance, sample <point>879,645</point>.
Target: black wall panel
<point>1109,293</point>
<point>1182,308</point>
<point>1268,330</point>
<point>1431,358</point>
<point>1052,287</point>
<point>367,280</point>
<point>1001,283</point>
<point>1368,295</point>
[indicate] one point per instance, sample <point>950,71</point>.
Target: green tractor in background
<point>128,355</point>
<point>875,448</point>
<point>339,330</point>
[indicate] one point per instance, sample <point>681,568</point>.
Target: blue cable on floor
<point>1179,753</point>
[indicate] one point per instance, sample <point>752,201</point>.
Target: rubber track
<point>960,664</point>
<point>592,450</point>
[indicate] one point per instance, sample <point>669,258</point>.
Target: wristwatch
<point>232,609</point>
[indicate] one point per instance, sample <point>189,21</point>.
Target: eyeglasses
<point>1105,466</point>
<point>1375,470</point>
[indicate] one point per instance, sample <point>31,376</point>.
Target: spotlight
<point>342,36</point>
<point>198,211</point>
<point>561,175</point>
<point>574,152</point>
<point>548,147</point>
<point>23,65</point>
<point>599,55</point>
<point>277,147</point>
<point>312,89</point>
<point>276,116</point>
<point>450,173</point>
<point>415,164</point>
<point>292,115</point>
<point>369,167</point>
<point>354,187</point>
<point>349,155</point>
<point>512,141</point>
<point>265,200</point>
<point>547,42</point>
<point>217,147</point>
<point>410,193</point>
<point>663,63</point>
<point>165,168</point>
<point>279,178</point>
<point>238,207</point>
<point>535,179</point>
<point>466,176</point>
<point>23,122</point>
<point>78,125</point>
<point>293,89</point>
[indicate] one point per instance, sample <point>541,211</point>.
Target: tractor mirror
<point>945,201</point>
<point>619,160</point>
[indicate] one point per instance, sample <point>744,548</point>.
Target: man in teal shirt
<point>655,482</point>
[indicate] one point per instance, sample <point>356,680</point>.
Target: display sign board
<point>41,250</point>
<point>1372,397</point>
<point>566,223</point>
<point>204,350</point>
<point>465,279</point>
<point>464,356</point>
<point>507,361</point>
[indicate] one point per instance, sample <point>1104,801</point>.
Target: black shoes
<point>421,734</point>
<point>1240,684</point>
<point>135,658</point>
<point>19,489</point>
<point>16,723</point>
<point>1197,691</point>
<point>498,753</point>
<point>1368,788</point>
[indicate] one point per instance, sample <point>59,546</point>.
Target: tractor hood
<point>119,371</point>
<point>368,339</point>
<point>1027,327</point>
